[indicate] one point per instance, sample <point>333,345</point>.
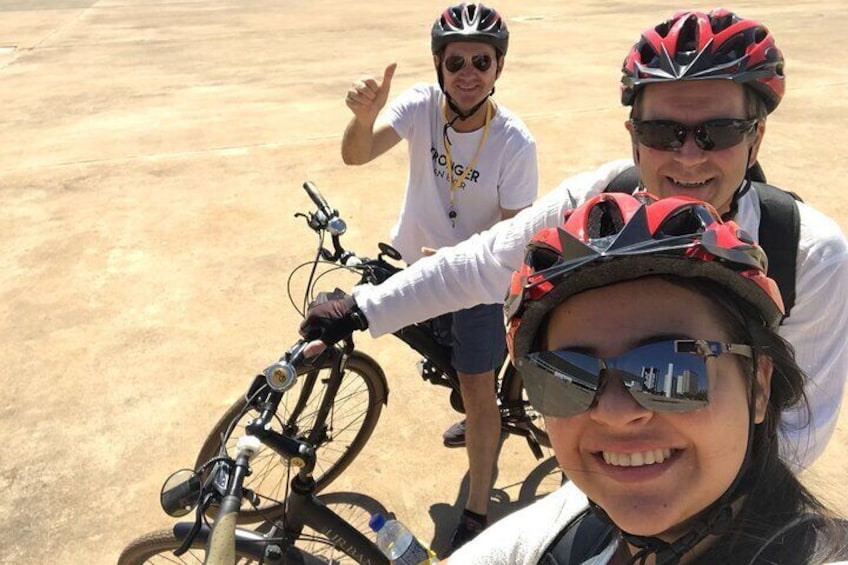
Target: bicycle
<point>222,542</point>
<point>310,413</point>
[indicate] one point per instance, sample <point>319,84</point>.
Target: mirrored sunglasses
<point>712,135</point>
<point>456,63</point>
<point>665,376</point>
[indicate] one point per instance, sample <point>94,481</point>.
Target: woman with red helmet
<point>472,163</point>
<point>645,333</point>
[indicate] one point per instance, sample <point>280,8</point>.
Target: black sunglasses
<point>455,63</point>
<point>668,135</point>
<point>664,376</point>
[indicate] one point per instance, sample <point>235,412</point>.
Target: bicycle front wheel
<point>158,547</point>
<point>338,439</point>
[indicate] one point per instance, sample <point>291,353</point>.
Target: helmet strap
<point>462,116</point>
<point>744,187</point>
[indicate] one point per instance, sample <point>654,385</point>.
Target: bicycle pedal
<point>426,370</point>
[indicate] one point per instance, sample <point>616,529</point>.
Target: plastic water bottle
<point>398,544</point>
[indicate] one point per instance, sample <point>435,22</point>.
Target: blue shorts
<point>478,337</point>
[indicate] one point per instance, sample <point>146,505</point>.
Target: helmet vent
<point>648,55</point>
<point>685,222</point>
<point>733,49</point>
<point>687,41</point>
<point>721,22</point>
<point>542,258</point>
<point>604,220</point>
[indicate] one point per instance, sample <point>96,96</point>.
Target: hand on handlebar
<point>332,316</point>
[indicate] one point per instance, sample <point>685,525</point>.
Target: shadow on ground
<point>542,480</point>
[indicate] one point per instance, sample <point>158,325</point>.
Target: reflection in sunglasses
<point>665,376</point>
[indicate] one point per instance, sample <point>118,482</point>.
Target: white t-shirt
<point>479,270</point>
<point>505,174</point>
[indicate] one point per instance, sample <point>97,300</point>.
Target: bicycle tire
<point>361,396</point>
<point>519,410</point>
<point>356,509</point>
<point>158,547</point>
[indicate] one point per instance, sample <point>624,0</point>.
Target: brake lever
<point>198,523</point>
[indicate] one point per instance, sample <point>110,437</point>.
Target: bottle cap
<point>377,522</point>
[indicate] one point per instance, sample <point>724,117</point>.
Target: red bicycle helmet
<point>470,22</point>
<point>698,46</point>
<point>616,237</point>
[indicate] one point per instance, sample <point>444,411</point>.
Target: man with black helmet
<point>472,164</point>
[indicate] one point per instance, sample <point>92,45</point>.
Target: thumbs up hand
<point>366,97</point>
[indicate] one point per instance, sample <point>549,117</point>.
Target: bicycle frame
<point>224,540</point>
<point>304,509</point>
<point>437,367</point>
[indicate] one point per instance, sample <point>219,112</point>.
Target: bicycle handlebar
<point>221,549</point>
<point>281,375</point>
<point>318,199</point>
<point>327,218</point>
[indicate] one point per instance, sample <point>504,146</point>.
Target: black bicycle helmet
<point>699,46</point>
<point>471,23</point>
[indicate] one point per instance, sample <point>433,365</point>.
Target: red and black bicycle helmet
<point>699,46</point>
<point>616,237</point>
<point>470,22</point>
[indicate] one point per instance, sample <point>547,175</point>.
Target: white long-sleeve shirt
<point>479,269</point>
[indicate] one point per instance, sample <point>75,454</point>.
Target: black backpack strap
<point>625,181</point>
<point>780,230</point>
<point>756,173</point>
<point>780,226</point>
<point>585,536</point>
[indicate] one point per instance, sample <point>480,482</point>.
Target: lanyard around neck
<point>456,183</point>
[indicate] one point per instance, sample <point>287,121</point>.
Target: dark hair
<point>780,520</point>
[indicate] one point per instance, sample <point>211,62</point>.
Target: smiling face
<point>712,176</point>
<point>469,85</point>
<point>650,471</point>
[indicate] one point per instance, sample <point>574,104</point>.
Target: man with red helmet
<point>700,87</point>
<point>472,164</point>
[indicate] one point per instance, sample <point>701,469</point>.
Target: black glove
<point>332,316</point>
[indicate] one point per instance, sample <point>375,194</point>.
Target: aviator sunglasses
<point>712,135</point>
<point>664,376</point>
<point>456,63</point>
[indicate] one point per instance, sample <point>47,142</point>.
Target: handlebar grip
<point>221,547</point>
<point>184,495</point>
<point>316,197</point>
